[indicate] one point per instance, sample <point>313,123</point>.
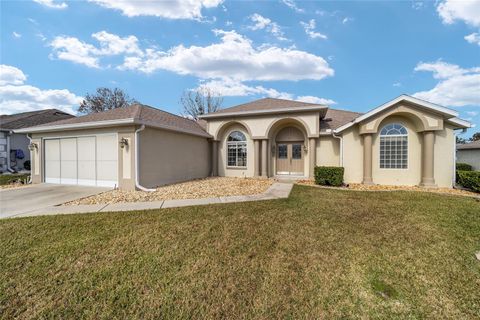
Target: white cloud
<point>228,88</point>
<point>317,100</point>
<point>234,58</point>
<point>457,86</point>
<point>467,11</point>
<point>473,38</point>
<point>472,113</point>
<point>15,96</point>
<point>346,20</point>
<point>52,4</point>
<point>292,5</point>
<point>397,84</point>
<point>74,50</point>
<point>172,9</point>
<point>310,30</point>
<point>261,23</point>
<point>16,35</point>
<point>11,75</point>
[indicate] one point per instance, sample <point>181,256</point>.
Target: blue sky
<point>351,55</point>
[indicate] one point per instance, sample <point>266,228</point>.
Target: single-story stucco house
<point>405,141</point>
<point>469,153</point>
<point>14,146</point>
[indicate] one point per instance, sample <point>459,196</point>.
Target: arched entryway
<point>290,151</point>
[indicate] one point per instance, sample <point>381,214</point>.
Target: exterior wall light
<point>305,149</point>
<point>32,146</point>
<point>123,142</point>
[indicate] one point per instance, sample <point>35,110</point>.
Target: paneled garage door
<point>88,160</point>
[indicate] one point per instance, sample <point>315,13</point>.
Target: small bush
<point>469,180</point>
<point>464,166</point>
<point>329,176</point>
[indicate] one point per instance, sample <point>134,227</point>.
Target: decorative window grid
<point>236,150</point>
<point>394,147</point>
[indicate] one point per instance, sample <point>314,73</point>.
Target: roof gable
<point>265,105</point>
<point>434,108</point>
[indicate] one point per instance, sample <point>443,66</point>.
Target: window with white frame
<point>394,147</point>
<point>236,149</point>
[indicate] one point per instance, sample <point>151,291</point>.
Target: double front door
<point>290,158</point>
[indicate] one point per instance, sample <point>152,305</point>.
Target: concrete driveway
<point>16,202</point>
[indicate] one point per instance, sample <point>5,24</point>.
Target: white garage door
<point>82,160</point>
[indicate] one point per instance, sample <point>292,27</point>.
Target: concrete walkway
<point>32,198</point>
<point>277,190</point>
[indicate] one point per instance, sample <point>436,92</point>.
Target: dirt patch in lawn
<point>362,187</point>
<point>196,189</point>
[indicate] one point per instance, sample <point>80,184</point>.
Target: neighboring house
<point>469,153</point>
<point>14,146</point>
<point>406,141</point>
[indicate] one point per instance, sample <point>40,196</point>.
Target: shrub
<point>329,176</point>
<point>469,180</point>
<point>464,166</point>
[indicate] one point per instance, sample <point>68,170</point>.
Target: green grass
<point>319,254</point>
<point>10,178</point>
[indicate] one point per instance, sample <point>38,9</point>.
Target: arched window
<point>394,147</point>
<point>236,149</point>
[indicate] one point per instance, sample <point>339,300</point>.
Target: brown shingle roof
<point>336,118</point>
<point>265,105</point>
<point>31,119</point>
<point>470,145</point>
<point>141,114</point>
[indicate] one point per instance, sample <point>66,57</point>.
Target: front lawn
<point>319,254</point>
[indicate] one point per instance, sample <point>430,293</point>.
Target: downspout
<point>137,165</point>
<point>9,169</point>
<point>341,147</point>
<point>31,159</point>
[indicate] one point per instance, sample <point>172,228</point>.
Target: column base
<point>368,181</point>
<point>428,183</point>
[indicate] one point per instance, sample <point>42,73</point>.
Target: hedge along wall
<point>329,176</point>
<point>469,179</point>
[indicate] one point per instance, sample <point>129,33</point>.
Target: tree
<point>200,101</point>
<point>475,137</point>
<point>461,140</point>
<point>105,99</point>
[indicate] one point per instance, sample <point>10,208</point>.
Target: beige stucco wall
<point>168,157</point>
<point>328,151</point>
<point>470,156</point>
<point>352,155</point>
<point>223,169</point>
<point>259,125</point>
<point>443,156</point>
<point>37,156</point>
<point>410,176</point>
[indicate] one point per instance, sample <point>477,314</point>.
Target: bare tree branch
<point>201,101</point>
<point>105,99</point>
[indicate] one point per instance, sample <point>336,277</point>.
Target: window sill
<point>237,168</point>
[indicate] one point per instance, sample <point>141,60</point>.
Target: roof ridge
<point>170,113</point>
<point>345,110</point>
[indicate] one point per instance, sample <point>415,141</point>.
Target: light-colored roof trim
<point>460,122</point>
<point>403,97</point>
<point>259,112</point>
<point>153,124</point>
<point>79,125</point>
<point>107,123</point>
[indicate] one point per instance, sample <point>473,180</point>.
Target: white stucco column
<point>214,158</point>
<point>312,156</point>
<point>264,158</point>
<point>427,159</point>
<point>256,157</point>
<point>367,159</point>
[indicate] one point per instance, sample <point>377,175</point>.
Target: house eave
<point>449,113</point>
<point>263,112</point>
<point>74,126</point>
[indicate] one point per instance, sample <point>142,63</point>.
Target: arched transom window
<point>236,149</point>
<point>394,147</point>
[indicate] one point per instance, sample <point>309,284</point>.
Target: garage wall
<point>167,157</point>
<point>470,156</point>
<point>126,179</point>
